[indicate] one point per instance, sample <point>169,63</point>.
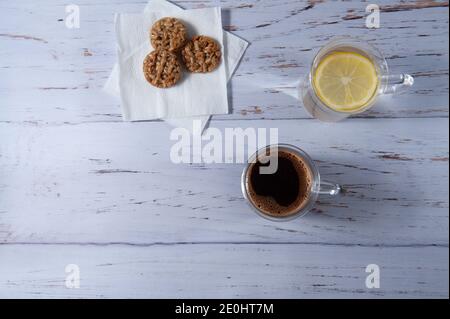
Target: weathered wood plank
<point>78,186</point>
<point>49,73</point>
<point>222,271</point>
<point>103,182</point>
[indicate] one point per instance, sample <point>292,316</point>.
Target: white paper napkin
<point>233,48</point>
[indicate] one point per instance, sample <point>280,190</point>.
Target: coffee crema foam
<point>284,193</point>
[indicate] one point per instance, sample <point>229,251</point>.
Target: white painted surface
<point>79,186</point>
<point>223,271</point>
<point>82,183</point>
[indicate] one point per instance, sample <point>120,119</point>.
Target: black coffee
<point>283,193</point>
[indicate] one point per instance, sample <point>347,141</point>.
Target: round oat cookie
<point>201,55</point>
<point>168,34</point>
<point>162,69</point>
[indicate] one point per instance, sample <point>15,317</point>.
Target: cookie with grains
<point>162,69</point>
<point>168,34</point>
<point>201,55</point>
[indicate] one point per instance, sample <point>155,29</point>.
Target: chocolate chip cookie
<point>168,34</point>
<point>201,55</point>
<point>162,69</point>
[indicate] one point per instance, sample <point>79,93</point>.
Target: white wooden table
<point>79,186</point>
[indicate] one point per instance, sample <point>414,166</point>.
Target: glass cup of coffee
<point>288,190</point>
<point>347,77</point>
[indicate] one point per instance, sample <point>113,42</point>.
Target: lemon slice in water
<point>346,81</point>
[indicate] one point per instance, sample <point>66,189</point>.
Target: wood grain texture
<point>222,271</point>
<point>115,183</point>
<point>77,185</point>
<point>62,70</point>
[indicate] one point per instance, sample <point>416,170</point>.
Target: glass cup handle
<point>398,83</point>
<point>328,188</point>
